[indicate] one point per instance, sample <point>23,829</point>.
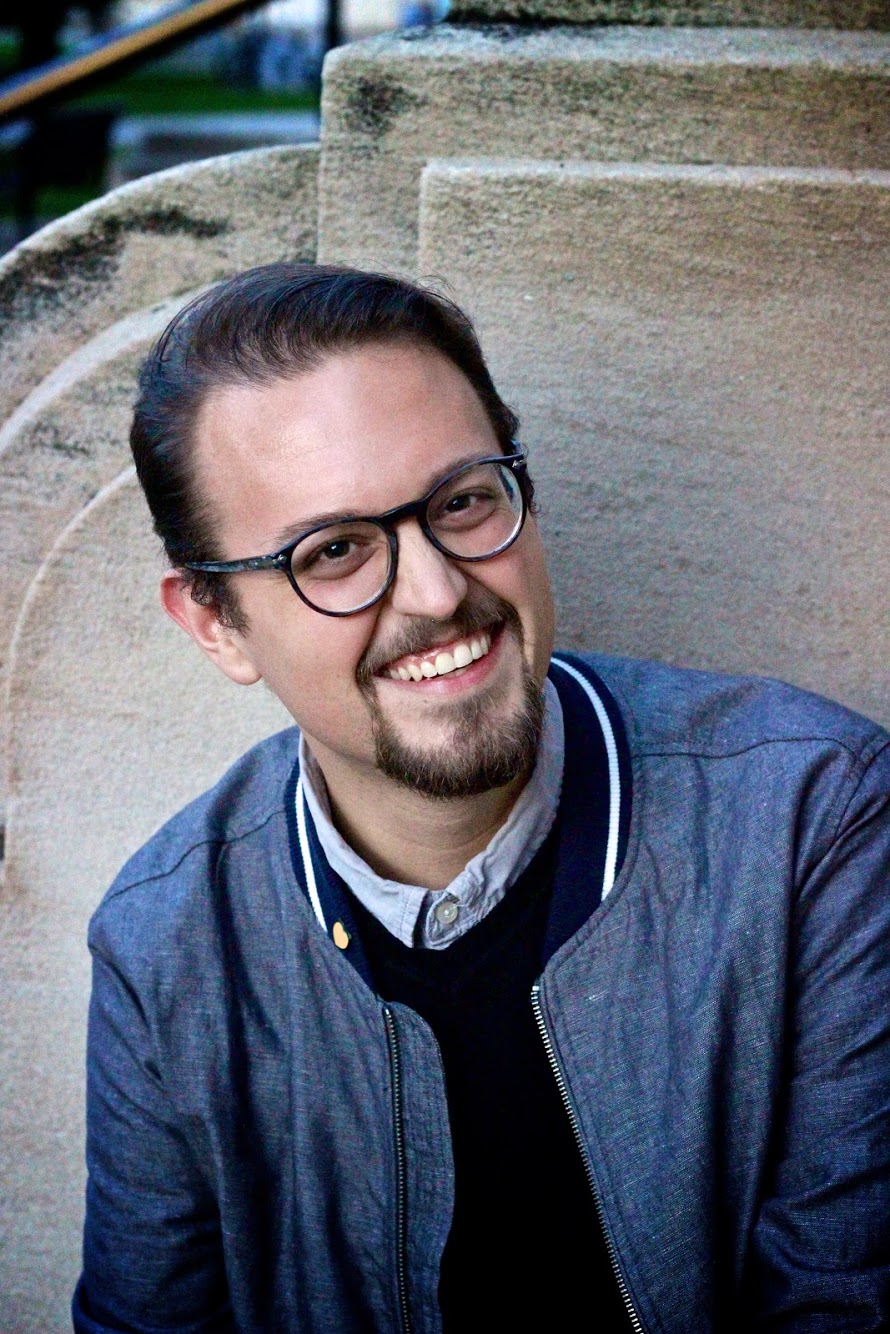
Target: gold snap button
<point>340,935</point>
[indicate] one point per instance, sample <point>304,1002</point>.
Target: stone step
<point>65,442</point>
<point>840,14</point>
<point>782,98</point>
<point>700,358</point>
<point>161,235</point>
<point>92,668</point>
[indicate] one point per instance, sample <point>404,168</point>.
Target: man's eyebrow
<point>293,531</point>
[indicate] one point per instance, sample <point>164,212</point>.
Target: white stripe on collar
<point>306,854</point>
<point>614,774</point>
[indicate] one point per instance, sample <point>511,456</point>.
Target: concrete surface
<point>708,413</point>
<point>117,721</point>
<point>749,97</point>
<point>840,14</point>
<point>144,243</point>
<point>66,441</point>
<point>71,346</point>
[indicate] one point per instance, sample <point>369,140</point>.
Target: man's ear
<point>222,645</point>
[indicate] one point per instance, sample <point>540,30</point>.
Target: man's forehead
<point>350,394</point>
<point>366,430</point>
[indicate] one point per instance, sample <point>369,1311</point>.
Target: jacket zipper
<point>561,1085</point>
<point>401,1182</point>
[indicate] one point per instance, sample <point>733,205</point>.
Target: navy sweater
<point>525,1232</point>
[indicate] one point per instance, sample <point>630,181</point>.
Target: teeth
<point>464,653</point>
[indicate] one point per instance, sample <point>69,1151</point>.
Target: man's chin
<point>478,744</point>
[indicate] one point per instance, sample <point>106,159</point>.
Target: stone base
<point>750,98</point>
<point>699,357</point>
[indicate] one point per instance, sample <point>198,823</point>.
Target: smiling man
<point>510,990</point>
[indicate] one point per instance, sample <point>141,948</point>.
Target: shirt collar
<point>418,916</point>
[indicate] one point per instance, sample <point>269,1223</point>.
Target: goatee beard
<point>483,751</point>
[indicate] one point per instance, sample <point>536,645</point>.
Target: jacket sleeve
<point>821,1244</point>
<point>152,1257</point>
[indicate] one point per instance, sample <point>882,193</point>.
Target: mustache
<point>482,612</point>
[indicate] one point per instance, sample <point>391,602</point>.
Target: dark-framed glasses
<point>341,567</point>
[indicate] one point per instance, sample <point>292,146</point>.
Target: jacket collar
<point>591,831</point>
<point>594,812</point>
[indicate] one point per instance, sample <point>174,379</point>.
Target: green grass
<point>55,200</point>
<point>153,90</point>
<point>144,93</point>
<point>9,51</point>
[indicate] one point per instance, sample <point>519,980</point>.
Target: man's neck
<point>407,837</point>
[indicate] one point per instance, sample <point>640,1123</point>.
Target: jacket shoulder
<point>175,865</point>
<point>675,709</point>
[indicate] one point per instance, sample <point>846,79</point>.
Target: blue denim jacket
<point>720,1024</point>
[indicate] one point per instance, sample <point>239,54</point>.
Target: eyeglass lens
<point>344,566</point>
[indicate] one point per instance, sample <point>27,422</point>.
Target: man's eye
<point>335,550</point>
<point>337,557</point>
<point>467,506</point>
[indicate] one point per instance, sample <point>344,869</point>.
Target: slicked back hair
<point>267,324</point>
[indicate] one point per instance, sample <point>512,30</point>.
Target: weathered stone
<point>700,357</point>
<point>116,722</point>
<point>840,14</point>
<point>146,242</point>
<point>63,444</point>
<point>60,297</point>
<point>95,668</point>
<point>750,97</point>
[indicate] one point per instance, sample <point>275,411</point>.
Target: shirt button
<point>446,912</point>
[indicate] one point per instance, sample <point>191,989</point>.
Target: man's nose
<point>427,583</point>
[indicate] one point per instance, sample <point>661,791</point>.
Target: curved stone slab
<point>162,235</point>
<point>61,446</point>
<point>753,97</point>
<point>117,721</point>
<point>700,357</point>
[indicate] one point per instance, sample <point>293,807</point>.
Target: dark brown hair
<point>266,324</point>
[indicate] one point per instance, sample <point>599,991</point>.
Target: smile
<point>440,660</point>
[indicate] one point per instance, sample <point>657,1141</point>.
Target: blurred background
<point>244,82</point>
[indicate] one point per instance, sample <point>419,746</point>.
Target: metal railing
<point>113,54</point>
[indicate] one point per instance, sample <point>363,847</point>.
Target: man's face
<point>370,429</point>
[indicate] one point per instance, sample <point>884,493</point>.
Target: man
<point>514,992</point>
